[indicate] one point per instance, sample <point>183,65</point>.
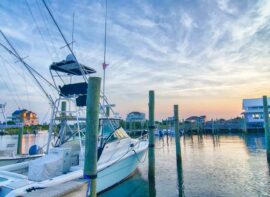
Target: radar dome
<point>70,57</point>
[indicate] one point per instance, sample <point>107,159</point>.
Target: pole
<point>266,127</point>
<point>92,121</point>
<point>151,123</point>
<point>63,108</point>
<point>107,111</point>
<point>177,137</point>
<point>20,135</point>
<point>178,152</point>
<point>151,148</point>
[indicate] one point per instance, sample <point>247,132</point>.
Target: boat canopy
<point>77,89</point>
<point>74,89</point>
<point>70,66</point>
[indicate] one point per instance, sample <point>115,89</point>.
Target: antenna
<point>72,35</point>
<point>104,65</point>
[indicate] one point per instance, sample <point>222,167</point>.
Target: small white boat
<point>8,156</point>
<point>7,160</point>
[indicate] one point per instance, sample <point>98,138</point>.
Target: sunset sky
<point>205,55</point>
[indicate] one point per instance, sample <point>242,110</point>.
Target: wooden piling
<point>91,136</point>
<point>176,128</point>
<point>178,152</point>
<point>151,123</point>
<point>266,127</point>
<point>19,143</point>
<point>151,149</point>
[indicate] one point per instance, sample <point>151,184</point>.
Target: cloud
<point>185,50</point>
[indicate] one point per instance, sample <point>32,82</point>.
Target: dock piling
<point>151,148</point>
<point>19,144</point>
<point>178,152</point>
<point>266,127</point>
<point>177,137</point>
<point>92,121</point>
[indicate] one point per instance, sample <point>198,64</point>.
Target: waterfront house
<point>253,112</point>
<point>135,117</point>
<point>24,116</point>
<point>197,119</point>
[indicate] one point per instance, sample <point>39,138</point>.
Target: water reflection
<point>151,171</point>
<point>8,143</point>
<point>180,180</point>
<point>134,186</point>
<point>215,139</point>
<point>212,165</point>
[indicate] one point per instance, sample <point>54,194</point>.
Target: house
<point>253,113</point>
<point>198,119</point>
<point>24,116</point>
<point>135,117</point>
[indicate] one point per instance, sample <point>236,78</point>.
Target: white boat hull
<point>118,171</point>
<point>108,175</point>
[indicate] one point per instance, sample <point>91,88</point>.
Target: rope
<point>88,187</point>
<point>140,161</point>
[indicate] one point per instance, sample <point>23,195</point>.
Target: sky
<point>204,55</point>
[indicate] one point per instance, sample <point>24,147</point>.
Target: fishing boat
<point>118,154</point>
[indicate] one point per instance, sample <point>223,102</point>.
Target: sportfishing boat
<point>118,154</point>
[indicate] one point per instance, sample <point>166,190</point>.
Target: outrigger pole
<point>28,67</point>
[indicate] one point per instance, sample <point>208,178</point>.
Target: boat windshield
<point>108,126</point>
<point>110,130</point>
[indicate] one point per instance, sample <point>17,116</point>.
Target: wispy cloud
<point>188,51</point>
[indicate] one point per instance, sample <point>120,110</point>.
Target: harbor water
<point>220,165</point>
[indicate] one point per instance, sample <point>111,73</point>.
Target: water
<point>8,143</point>
<point>223,166</point>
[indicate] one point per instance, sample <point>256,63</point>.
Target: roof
<point>135,113</point>
<point>254,102</point>
<point>70,66</point>
<point>195,117</point>
<point>18,111</point>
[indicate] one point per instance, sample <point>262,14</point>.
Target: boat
<point>118,153</point>
<point>9,157</point>
<point>8,160</point>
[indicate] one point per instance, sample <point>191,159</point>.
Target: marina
<point>134,98</point>
<point>203,158</point>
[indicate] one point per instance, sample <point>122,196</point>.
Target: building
<point>135,117</point>
<point>24,116</point>
<point>253,113</point>
<point>197,119</point>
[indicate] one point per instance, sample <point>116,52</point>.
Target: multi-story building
<point>253,113</point>
<point>135,117</point>
<point>24,116</point>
